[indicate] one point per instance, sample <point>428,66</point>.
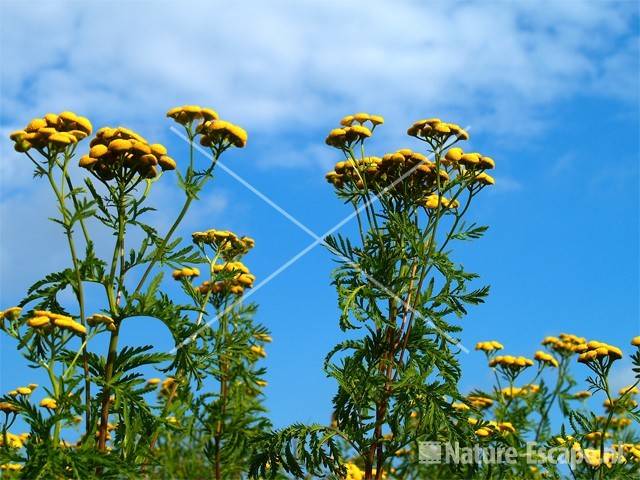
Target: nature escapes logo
<point>534,453</point>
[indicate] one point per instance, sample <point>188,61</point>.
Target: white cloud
<point>274,65</point>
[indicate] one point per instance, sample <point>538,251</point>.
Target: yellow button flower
<point>49,403</point>
<point>545,358</point>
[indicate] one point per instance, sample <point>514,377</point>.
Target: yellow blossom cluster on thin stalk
<point>398,291</point>
<point>96,417</point>
<point>122,154</point>
<point>606,445</point>
<point>51,133</point>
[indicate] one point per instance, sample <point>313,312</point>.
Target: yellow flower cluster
<point>353,472</point>
<point>434,201</point>
<point>599,351</point>
<point>227,243</point>
<point>11,314</point>
<point>352,130</point>
<point>512,392</point>
<point>121,153</point>
<point>494,427</point>
<point>97,319</point>
<point>185,272</point>
<point>595,436</point>
<point>616,423</point>
<point>237,278</point>
<point>434,128</point>
<point>635,341</point>
<point>53,131</point>
<point>8,407</point>
<point>213,132</point>
<point>456,157</point>
<point>186,114</point>
<point>13,440</point>
<point>418,173</point>
<point>620,404</point>
<point>566,344</point>
<point>510,362</point>
<point>546,358</point>
<point>630,449</point>
<point>48,402</point>
<point>460,406</point>
<point>263,337</point>
<point>480,402</point>
<point>362,118</point>
<point>629,390</point>
<point>43,320</point>
<point>581,395</point>
<point>258,350</point>
<point>221,134</point>
<point>11,467</point>
<point>593,458</point>
<point>345,137</point>
<point>167,386</point>
<point>28,390</point>
<point>489,346</point>
<point>152,382</point>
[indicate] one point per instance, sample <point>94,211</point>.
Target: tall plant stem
<point>79,287</point>
<point>559,382</point>
<point>118,253</point>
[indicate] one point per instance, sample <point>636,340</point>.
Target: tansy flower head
<point>489,346</point>
<point>460,406</point>
<point>258,350</point>
<point>186,114</point>
<point>362,118</point>
<point>480,402</point>
<point>49,403</point>
<point>566,344</point>
<point>8,407</point>
<point>168,386</point>
<point>545,358</point>
<point>11,314</point>
<point>185,272</point>
<point>98,319</point>
<point>220,135</point>
<point>635,341</point>
<point>52,133</point>
<point>24,390</point>
<point>629,390</point>
<point>510,364</point>
<point>434,129</point>
<point>153,381</point>
<point>599,352</point>
<point>44,321</point>
<point>228,244</point>
<point>433,201</point>
<point>345,137</point>
<point>353,472</point>
<point>120,153</point>
<point>484,179</point>
<point>581,395</point>
<point>263,337</point>
<point>13,440</point>
<point>620,404</point>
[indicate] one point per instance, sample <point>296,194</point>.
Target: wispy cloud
<point>273,64</point>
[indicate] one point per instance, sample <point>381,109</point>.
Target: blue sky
<point>550,90</point>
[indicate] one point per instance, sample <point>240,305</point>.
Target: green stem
<point>79,288</point>
<point>113,340</point>
<point>559,383</point>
